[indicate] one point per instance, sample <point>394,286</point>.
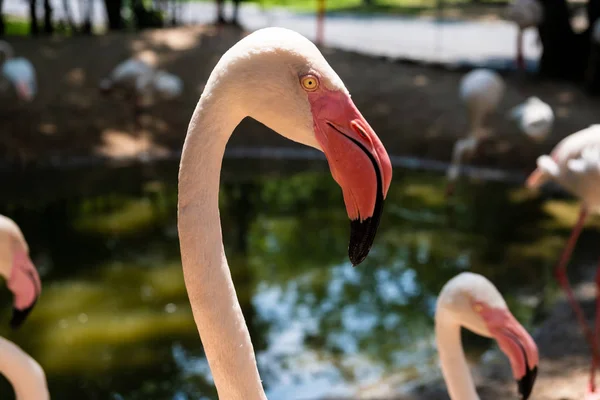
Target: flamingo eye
<point>310,83</point>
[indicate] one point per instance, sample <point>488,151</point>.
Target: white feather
<point>534,117</point>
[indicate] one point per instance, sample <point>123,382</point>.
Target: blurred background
<point>92,182</point>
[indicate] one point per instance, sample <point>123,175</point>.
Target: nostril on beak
<point>356,127</point>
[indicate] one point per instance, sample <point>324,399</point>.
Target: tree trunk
<point>34,29</point>
<point>113,13</point>
<point>86,29</point>
<point>2,25</point>
<point>69,16</point>
<point>565,53</point>
<point>48,27</point>
<point>592,73</point>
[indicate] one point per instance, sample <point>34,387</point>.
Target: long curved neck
<point>208,280</point>
<point>23,372</point>
<point>452,358</point>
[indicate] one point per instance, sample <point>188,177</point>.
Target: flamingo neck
<point>216,310</point>
<point>452,358</point>
<point>23,372</point>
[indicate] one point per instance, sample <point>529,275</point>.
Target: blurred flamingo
<point>23,372</point>
<point>279,78</point>
<point>17,74</point>
<point>139,80</point>
<point>526,14</point>
<point>481,90</point>
<point>470,300</point>
<point>16,267</point>
<point>535,118</point>
<point>575,164</point>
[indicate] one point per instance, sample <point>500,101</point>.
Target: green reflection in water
<point>114,320</point>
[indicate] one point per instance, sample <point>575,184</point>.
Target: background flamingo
<point>139,81</point>
<point>18,74</point>
<point>526,14</point>
<point>534,117</point>
<point>22,371</point>
<point>575,164</point>
<point>16,267</point>
<point>481,90</point>
<point>279,78</point>
<point>472,301</point>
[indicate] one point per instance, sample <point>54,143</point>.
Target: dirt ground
<point>414,109</point>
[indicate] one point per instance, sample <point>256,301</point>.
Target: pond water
<point>114,321</point>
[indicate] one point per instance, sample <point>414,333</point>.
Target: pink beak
<point>517,344</point>
<point>24,282</point>
<point>358,162</point>
<point>23,91</point>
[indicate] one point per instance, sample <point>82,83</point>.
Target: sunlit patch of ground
<point>119,144</point>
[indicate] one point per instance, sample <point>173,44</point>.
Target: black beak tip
<point>19,316</point>
<point>362,235</point>
<point>526,383</point>
<point>357,257</point>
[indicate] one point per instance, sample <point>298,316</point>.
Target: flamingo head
<point>283,81</point>
<point>17,268</point>
<point>475,303</point>
<point>21,74</point>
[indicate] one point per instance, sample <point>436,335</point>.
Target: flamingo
<point>575,164</point>
<point>138,79</point>
<point>23,372</point>
<point>18,74</point>
<point>535,118</point>
<point>281,79</point>
<point>526,14</point>
<point>16,267</point>
<point>481,90</point>
<point>470,300</point>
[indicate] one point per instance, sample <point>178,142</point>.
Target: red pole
<point>320,21</point>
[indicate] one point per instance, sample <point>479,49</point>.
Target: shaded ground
<point>414,109</point>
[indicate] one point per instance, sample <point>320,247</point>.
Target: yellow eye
<point>309,82</point>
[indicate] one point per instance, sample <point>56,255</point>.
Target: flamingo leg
<point>592,386</point>
<point>520,58</point>
<point>136,115</point>
<point>561,275</point>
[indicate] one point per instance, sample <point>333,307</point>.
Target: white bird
<point>17,75</point>
<point>471,301</point>
<point>526,14</point>
<point>535,118</point>
<point>481,90</point>
<point>279,78</point>
<point>139,80</point>
<point>23,372</point>
<point>575,164</point>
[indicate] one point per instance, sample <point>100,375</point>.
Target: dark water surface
<point>114,321</point>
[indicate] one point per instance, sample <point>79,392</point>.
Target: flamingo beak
<point>24,282</point>
<point>358,162</point>
<point>518,346</point>
<point>24,91</point>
